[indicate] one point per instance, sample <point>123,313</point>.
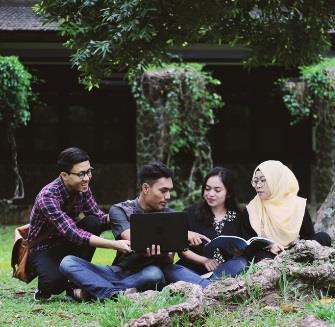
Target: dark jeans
<point>45,262</point>
<point>104,282</point>
<point>323,238</point>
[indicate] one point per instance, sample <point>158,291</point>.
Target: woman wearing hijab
<point>277,212</point>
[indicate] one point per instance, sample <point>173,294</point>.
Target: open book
<point>231,244</point>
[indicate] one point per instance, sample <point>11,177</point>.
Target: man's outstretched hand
<point>122,246</point>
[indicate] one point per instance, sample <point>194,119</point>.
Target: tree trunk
<point>326,214</point>
<point>19,189</point>
<point>325,158</point>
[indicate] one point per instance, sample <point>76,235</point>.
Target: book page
<point>226,243</point>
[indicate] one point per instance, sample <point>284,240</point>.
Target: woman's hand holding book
<point>275,248</point>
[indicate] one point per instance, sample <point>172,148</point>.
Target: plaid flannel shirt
<point>56,208</point>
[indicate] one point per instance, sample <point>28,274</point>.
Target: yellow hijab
<point>279,217</point>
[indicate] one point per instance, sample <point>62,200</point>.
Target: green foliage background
<point>15,92</point>
<point>312,96</point>
<point>318,90</point>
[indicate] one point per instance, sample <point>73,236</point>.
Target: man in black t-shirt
<point>155,183</point>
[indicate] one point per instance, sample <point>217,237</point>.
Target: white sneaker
<point>207,275</point>
<point>129,291</point>
<point>78,294</point>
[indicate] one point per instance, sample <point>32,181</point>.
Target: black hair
<point>231,204</point>
<point>153,171</point>
<point>69,157</point>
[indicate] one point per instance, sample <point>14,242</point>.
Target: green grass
<point>116,314</point>
<point>322,311</point>
<point>260,316</point>
<point>17,307</point>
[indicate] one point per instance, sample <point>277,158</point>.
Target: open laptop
<point>169,230</point>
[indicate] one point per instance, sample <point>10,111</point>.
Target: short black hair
<point>69,157</point>
<point>153,171</point>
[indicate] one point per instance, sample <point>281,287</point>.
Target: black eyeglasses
<point>82,174</point>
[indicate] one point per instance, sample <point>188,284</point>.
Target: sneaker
<point>39,296</point>
<point>128,291</point>
<point>78,294</point>
<point>207,275</point>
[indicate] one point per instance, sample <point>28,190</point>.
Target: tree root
<point>308,262</point>
<point>193,306</point>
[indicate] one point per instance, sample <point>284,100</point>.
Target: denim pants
<point>45,262</point>
<point>230,268</point>
<point>104,282</point>
<point>174,273</point>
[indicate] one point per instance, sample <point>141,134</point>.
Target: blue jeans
<point>104,282</point>
<point>232,267</point>
<point>45,262</point>
<point>175,273</point>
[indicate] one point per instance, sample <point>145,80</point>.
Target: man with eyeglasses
<point>66,216</point>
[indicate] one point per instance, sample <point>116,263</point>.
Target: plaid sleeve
<point>91,208</point>
<point>64,224</point>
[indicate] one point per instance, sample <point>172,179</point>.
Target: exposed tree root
<point>307,261</point>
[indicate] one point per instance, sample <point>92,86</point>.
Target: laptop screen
<point>169,230</point>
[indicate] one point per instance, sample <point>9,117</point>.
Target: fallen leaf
<point>37,308</point>
<point>288,308</point>
<point>63,315</point>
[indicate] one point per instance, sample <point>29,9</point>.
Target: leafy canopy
<point>15,92</point>
<point>113,35</point>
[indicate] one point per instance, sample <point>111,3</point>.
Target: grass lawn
<point>17,307</point>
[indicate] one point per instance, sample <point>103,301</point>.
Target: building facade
<point>252,127</point>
